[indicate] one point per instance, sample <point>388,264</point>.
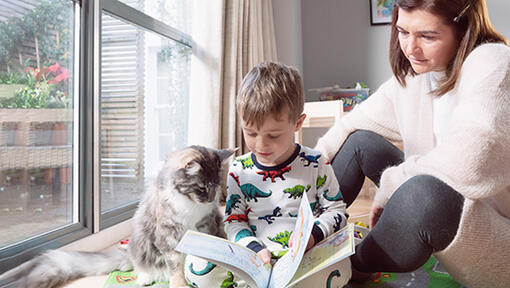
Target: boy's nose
<point>261,142</point>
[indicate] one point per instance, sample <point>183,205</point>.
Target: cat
<point>183,196</point>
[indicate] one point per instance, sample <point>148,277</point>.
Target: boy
<point>265,186</point>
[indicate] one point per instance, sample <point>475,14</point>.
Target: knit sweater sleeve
<point>375,114</point>
<point>474,157</point>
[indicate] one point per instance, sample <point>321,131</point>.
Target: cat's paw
<point>179,285</point>
<point>144,279</point>
<point>178,282</point>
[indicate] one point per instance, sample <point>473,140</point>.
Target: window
<point>144,100</point>
<point>38,127</point>
<point>93,94</point>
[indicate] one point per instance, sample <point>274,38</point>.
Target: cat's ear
<point>224,154</point>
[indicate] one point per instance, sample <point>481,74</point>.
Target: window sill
<point>87,282</point>
<point>103,239</point>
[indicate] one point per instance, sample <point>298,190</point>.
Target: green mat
<point>430,275</point>
<point>119,279</point>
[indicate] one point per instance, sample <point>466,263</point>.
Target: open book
<point>293,267</point>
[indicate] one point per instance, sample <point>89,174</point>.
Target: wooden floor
<point>359,209</point>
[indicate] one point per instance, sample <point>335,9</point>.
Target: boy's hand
<point>265,255</point>
<point>311,243</point>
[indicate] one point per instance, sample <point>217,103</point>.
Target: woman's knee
<point>360,138</point>
<point>427,194</point>
<point>427,201</point>
<point>427,209</point>
<point>427,190</point>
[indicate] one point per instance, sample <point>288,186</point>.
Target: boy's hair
<point>267,89</point>
<point>468,18</point>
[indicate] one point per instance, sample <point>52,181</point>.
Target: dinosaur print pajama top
<point>262,202</point>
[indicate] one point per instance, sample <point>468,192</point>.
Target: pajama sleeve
<point>330,202</point>
<point>237,227</point>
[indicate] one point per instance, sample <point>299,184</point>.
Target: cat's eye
<point>191,164</point>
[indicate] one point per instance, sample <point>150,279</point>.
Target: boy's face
<point>273,142</point>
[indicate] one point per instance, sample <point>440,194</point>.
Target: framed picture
<point>380,11</point>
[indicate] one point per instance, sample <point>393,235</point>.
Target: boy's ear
<point>300,121</point>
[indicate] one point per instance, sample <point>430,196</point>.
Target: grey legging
<point>420,218</point>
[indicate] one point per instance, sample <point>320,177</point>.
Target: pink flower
<point>55,68</point>
<point>64,75</point>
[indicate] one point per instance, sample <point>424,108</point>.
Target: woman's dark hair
<point>471,25</point>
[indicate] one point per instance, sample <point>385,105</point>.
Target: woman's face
<point>425,40</point>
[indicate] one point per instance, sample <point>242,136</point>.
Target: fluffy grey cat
<point>182,197</point>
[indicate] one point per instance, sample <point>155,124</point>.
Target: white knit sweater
<point>473,156</point>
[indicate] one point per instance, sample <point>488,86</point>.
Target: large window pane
<point>36,118</point>
<point>144,107</point>
<point>175,13</point>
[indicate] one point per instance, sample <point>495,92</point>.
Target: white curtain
<point>230,37</point>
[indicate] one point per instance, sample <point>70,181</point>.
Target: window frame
<point>90,218</point>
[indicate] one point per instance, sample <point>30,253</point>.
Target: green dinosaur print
<point>251,192</point>
<point>278,254</point>
<point>297,191</point>
<point>243,233</point>
<point>321,181</point>
<point>335,273</point>
<point>208,268</point>
<point>232,202</point>
<point>229,282</point>
<point>282,238</point>
<point>337,197</point>
<point>292,215</point>
<point>247,162</point>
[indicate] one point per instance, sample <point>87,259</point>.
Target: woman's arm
<point>376,114</point>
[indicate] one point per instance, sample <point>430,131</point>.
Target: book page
<point>285,268</point>
<point>240,260</point>
<point>335,248</point>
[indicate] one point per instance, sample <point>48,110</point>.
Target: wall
<point>288,32</point>
<point>332,41</point>
<point>340,46</point>
<point>498,12</point>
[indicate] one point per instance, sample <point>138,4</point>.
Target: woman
<point>448,192</point>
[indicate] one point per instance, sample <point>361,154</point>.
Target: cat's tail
<point>56,267</point>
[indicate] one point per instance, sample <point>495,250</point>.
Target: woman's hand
<point>265,255</point>
<point>375,213</point>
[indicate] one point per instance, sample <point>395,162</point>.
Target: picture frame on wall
<point>381,11</point>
